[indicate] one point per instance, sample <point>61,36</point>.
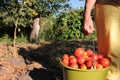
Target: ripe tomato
<point>81,60</point>
<point>89,63</point>
<point>85,53</point>
<point>65,62</point>
<point>87,58</point>
<point>95,57</point>
<point>74,65</point>
<point>79,52</point>
<point>90,52</point>
<point>100,56</point>
<point>105,62</point>
<point>72,60</point>
<point>65,56</point>
<point>71,56</point>
<point>83,66</point>
<point>99,66</point>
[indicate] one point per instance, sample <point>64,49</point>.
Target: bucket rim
<point>84,70</point>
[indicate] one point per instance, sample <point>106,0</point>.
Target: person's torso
<point>108,1</point>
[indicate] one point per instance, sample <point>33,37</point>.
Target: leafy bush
<point>5,38</point>
<point>68,25</point>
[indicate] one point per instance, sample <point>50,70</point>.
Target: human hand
<point>88,25</point>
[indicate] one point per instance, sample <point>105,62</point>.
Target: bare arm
<point>88,23</point>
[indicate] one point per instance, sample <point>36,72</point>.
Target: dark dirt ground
<point>36,61</point>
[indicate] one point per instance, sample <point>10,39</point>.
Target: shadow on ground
<point>48,54</point>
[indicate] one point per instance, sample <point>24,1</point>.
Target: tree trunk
<point>35,30</point>
<point>14,42</point>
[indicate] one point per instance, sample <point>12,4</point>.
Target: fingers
<point>88,30</point>
<point>88,25</point>
<point>91,29</point>
<point>85,32</point>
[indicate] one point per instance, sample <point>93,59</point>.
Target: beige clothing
<point>107,18</point>
<point>108,1</point>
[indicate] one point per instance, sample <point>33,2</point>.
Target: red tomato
<point>72,60</point>
<point>90,52</point>
<point>99,66</point>
<point>83,66</point>
<point>95,57</point>
<point>65,56</point>
<point>79,52</point>
<point>74,65</point>
<point>87,58</point>
<point>105,62</point>
<point>100,56</point>
<point>85,53</point>
<point>81,60</point>
<point>89,63</point>
<point>71,56</point>
<point>65,62</point>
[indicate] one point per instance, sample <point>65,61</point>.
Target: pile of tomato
<point>85,59</point>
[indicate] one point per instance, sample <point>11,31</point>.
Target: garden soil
<point>36,61</point>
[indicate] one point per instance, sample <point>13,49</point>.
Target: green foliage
<point>26,10</point>
<point>11,13</point>
<point>22,38</point>
<point>46,25</point>
<point>5,38</point>
<point>68,25</point>
<point>48,7</point>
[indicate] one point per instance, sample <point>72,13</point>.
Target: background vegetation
<point>58,21</point>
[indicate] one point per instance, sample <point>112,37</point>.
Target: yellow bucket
<point>88,74</point>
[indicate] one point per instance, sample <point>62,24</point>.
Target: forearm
<point>88,23</point>
<point>88,7</point>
